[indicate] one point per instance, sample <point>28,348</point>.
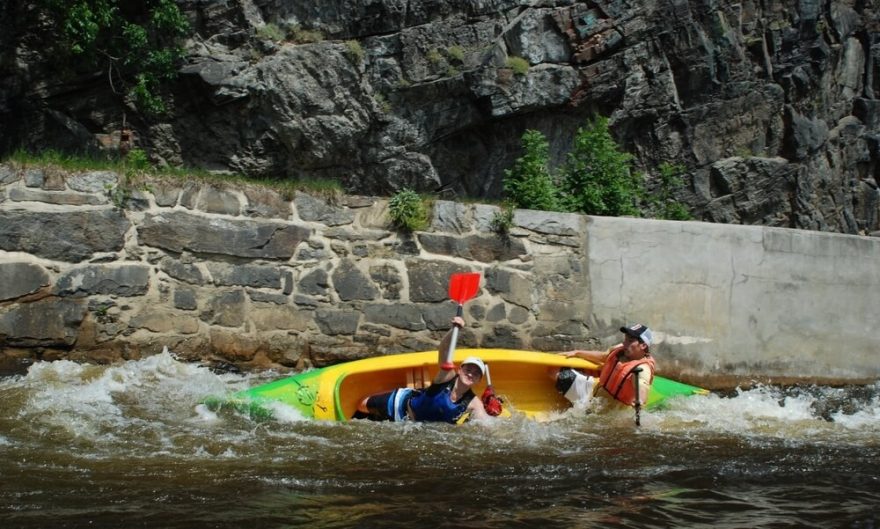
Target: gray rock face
<point>386,94</point>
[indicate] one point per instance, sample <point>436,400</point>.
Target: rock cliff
<point>771,106</point>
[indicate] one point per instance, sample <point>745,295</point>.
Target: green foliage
<point>662,201</point>
<point>355,51</point>
<point>382,101</point>
<point>137,160</point>
<point>408,211</point>
<point>596,178</point>
<point>304,36</point>
<point>435,57</point>
<point>138,43</point>
<point>456,53</point>
<point>529,184</point>
<point>519,65</point>
<point>271,32</point>
<point>502,221</point>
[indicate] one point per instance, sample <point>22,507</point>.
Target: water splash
<point>156,400</point>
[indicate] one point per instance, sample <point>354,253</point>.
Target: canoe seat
<point>418,377</point>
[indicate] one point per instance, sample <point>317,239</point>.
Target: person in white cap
<point>617,367</point>
<point>449,398</point>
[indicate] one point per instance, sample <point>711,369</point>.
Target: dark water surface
<point>128,446</point>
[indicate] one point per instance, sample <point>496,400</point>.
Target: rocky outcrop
<point>774,100</point>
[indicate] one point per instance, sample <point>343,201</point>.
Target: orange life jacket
<point>616,376</point>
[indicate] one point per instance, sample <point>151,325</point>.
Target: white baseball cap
<point>639,332</point>
<point>477,362</point>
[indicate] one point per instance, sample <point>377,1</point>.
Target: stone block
<point>20,279</point>
<point>429,280</point>
<point>64,236</point>
<point>482,248</point>
<point>46,323</point>
<point>218,201</point>
<point>314,283</point>
<point>399,315</point>
<point>95,182</point>
<point>9,173</point>
<point>279,318</point>
<point>163,321</point>
<point>59,198</point>
<point>116,280</point>
<point>352,284</point>
<point>512,287</point>
<point>312,209</point>
<point>334,322</point>
<point>225,308</point>
<point>179,231</point>
<point>186,272</point>
<point>185,299</point>
<point>266,203</point>
<point>256,276</point>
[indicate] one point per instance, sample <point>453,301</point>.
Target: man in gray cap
<point>617,367</point>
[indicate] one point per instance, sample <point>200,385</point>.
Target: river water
<point>129,446</point>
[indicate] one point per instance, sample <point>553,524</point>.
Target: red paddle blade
<point>463,286</point>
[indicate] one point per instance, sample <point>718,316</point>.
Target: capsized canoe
<point>521,378</point>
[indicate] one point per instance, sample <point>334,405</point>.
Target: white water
<point>160,393</point>
<point>130,444</point>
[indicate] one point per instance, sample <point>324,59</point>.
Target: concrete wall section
<point>734,303</point>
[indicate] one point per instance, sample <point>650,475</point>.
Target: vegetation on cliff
<point>136,44</point>
<point>596,178</point>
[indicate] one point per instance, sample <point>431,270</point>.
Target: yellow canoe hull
<point>522,378</point>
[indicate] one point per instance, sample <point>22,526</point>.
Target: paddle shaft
<point>637,404</point>
<point>450,353</point>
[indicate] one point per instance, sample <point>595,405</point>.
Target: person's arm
<point>445,375</point>
<point>477,410</point>
<point>645,379</point>
<point>597,357</point>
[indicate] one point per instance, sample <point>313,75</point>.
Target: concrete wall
<point>733,303</point>
<point>248,277</point>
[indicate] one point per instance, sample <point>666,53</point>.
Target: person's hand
<point>569,354</point>
<point>458,321</point>
<point>491,403</point>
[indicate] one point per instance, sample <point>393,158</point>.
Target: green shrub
<point>529,184</point>
<point>271,32</point>
<point>662,201</point>
<point>137,160</point>
<point>434,57</point>
<point>355,51</point>
<point>596,178</point>
<point>408,211</point>
<point>519,65</point>
<point>456,53</point>
<point>304,36</point>
<point>502,221</point>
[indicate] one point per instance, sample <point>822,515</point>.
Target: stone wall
<point>246,277</point>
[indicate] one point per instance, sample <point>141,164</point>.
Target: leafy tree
<point>596,178</point>
<point>136,43</point>
<point>529,184</point>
